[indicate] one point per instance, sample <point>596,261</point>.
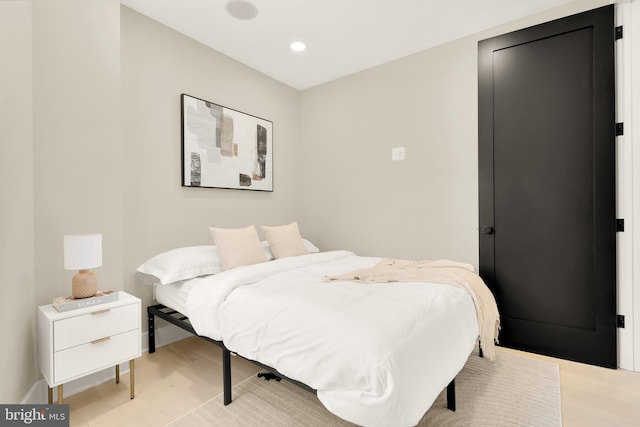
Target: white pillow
<point>310,247</point>
<point>285,240</point>
<point>238,246</point>
<point>187,263</point>
<point>183,263</point>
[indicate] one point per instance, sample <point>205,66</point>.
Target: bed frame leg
<point>152,331</point>
<point>226,374</point>
<point>451,395</point>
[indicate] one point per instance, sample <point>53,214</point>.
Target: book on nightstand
<point>71,303</point>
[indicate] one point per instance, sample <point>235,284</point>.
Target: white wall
<point>355,197</point>
<point>158,64</point>
<point>17,315</point>
<point>426,206</point>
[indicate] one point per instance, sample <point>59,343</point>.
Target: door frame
<point>628,57</point>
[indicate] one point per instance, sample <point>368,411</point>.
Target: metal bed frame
<point>182,321</point>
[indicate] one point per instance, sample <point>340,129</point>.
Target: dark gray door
<point>547,185</point>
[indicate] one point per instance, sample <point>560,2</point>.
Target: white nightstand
<point>80,342</point>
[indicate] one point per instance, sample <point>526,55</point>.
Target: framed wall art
<point>225,148</point>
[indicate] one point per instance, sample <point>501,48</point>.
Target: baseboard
<point>38,392</point>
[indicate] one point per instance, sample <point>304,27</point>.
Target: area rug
<point>513,390</point>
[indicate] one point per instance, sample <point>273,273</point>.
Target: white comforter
<point>378,354</point>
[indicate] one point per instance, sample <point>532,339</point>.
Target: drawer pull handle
<point>101,311</point>
<point>100,340</point>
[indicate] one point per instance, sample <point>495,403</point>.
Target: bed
<point>376,354</point>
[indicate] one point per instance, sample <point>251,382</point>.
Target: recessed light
<point>298,46</point>
<point>241,9</point>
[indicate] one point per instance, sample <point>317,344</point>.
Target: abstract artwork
<point>224,148</point>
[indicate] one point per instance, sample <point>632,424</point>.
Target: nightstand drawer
<point>102,353</point>
<point>78,330</point>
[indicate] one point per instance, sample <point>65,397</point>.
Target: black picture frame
<point>224,148</point>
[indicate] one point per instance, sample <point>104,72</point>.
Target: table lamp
<point>82,252</point>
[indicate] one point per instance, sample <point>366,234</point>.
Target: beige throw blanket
<point>442,271</point>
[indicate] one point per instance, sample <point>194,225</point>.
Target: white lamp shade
<point>82,251</point>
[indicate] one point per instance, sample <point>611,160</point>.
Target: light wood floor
<point>185,374</point>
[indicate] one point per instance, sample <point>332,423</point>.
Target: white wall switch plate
<point>397,153</point>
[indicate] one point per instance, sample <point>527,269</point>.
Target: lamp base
<point>84,284</point>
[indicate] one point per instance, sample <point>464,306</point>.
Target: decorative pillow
<point>183,263</point>
<point>285,240</point>
<point>238,246</point>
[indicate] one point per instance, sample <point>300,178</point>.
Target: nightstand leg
<point>49,395</point>
<point>60,394</point>
<point>131,378</point>
<point>118,374</point>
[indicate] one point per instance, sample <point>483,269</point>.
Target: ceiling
<point>342,36</point>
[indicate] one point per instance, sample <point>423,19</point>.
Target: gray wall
<point>77,137</point>
<point>17,312</point>
<point>91,143</point>
<point>353,196</point>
